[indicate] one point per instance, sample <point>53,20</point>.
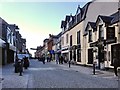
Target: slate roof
<point>106,19</point>
<point>59,34</point>
<point>92,24</point>
<point>116,17</point>
<point>84,10</point>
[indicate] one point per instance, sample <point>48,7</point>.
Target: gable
<point>99,21</point>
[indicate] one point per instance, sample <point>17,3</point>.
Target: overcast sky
<point>37,20</point>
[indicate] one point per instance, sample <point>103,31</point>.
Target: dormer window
<point>70,19</point>
<point>78,14</point>
<point>67,26</point>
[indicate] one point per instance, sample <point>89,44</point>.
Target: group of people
<point>20,64</point>
<point>61,60</point>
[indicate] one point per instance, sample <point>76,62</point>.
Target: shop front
<point>65,53</point>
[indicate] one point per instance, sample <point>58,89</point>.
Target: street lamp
<point>94,61</point>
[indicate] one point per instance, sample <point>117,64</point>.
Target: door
<point>115,52</point>
<point>90,56</point>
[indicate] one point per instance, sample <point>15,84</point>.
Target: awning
<point>66,51</point>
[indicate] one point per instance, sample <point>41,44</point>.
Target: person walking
<point>43,59</point>
<point>16,65</point>
<point>57,59</point>
<point>20,66</point>
<point>116,65</point>
<point>61,59</point>
<point>26,62</point>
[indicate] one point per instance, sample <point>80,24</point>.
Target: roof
<point>116,17</point>
<point>106,19</point>
<point>59,34</point>
<point>2,21</point>
<point>84,10</point>
<point>92,24</point>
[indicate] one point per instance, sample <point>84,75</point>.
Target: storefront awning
<point>66,51</point>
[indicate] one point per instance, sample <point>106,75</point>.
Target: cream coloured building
<point>103,40</point>
<point>73,41</point>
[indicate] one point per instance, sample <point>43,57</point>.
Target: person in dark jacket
<point>43,59</point>
<point>61,59</point>
<point>20,66</point>
<point>26,62</point>
<point>116,64</point>
<point>16,65</point>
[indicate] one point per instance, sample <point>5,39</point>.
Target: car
<point>20,56</point>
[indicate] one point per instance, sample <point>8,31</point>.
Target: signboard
<point>51,51</point>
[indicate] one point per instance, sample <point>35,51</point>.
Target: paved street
<point>51,75</point>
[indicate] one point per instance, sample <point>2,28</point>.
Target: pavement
<point>9,79</point>
<point>88,70</point>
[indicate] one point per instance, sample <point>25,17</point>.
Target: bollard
<point>69,64</point>
<point>93,68</point>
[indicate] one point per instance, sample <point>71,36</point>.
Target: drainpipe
<point>85,51</point>
<point>119,22</point>
<point>119,39</point>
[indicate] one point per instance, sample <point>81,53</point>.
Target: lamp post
<point>94,61</point>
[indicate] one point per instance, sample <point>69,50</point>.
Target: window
<point>90,36</point>
<point>67,26</point>
<point>110,33</point>
<point>66,38</point>
<point>78,15</point>
<point>8,35</point>
<point>78,37</point>
<point>62,40</point>
<point>101,32</point>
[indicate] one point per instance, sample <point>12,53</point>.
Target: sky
<point>37,19</point>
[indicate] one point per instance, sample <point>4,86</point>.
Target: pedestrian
<point>16,65</point>
<point>116,64</point>
<point>43,59</point>
<point>26,62</point>
<point>47,58</point>
<point>20,67</point>
<point>57,59</point>
<point>61,59</point>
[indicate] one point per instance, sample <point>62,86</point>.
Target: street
<point>52,75</point>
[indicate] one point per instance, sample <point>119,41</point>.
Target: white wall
<point>97,8</point>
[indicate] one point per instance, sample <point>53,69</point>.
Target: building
<point>103,40</point>
<point>58,46</point>
<point>73,40</point>
<point>10,42</point>
<point>7,43</point>
<point>52,46</point>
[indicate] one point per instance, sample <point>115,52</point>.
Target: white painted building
<point>73,24</point>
